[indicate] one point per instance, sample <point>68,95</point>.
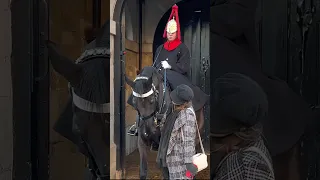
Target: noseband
<point>156,113</point>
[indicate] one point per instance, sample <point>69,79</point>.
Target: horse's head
<point>145,92</point>
<point>148,98</point>
<point>89,79</point>
<point>87,116</point>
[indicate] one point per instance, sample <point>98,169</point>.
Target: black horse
<point>151,99</point>
<point>85,120</point>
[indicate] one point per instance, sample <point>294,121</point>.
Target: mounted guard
<point>152,87</point>
<point>174,56</point>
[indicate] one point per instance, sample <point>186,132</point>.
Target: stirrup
<point>133,130</point>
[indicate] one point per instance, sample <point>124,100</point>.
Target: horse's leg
<point>287,165</point>
<point>143,151</point>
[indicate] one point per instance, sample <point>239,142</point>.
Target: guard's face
<point>171,36</point>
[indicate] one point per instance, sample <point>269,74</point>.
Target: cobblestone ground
<point>132,167</point>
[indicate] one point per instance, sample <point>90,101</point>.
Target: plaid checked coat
<point>181,149</point>
<point>247,164</point>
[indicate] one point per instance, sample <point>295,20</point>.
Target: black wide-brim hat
<point>182,94</point>
<point>238,102</point>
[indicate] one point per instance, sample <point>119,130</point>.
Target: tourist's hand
<point>192,170</point>
<point>165,65</point>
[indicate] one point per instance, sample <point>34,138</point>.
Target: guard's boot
<point>133,131</point>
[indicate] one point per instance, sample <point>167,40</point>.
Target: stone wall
<point>67,22</point>
<point>113,152</point>
<point>66,29</point>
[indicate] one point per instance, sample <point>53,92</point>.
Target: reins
<point>160,108</point>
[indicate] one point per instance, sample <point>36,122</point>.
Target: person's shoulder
<point>257,168</point>
<point>255,162</point>
<point>160,47</point>
<point>190,111</point>
<point>186,113</point>
<point>183,46</point>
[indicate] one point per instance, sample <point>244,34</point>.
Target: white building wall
<point>112,144</point>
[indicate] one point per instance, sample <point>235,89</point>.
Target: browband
<point>144,95</point>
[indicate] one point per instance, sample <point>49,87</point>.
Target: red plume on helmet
<point>174,14</point>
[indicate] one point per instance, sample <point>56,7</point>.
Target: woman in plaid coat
<point>239,107</point>
<point>177,144</point>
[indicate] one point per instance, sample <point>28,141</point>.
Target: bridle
<point>162,106</point>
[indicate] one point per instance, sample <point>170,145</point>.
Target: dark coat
<point>233,48</point>
<point>179,59</point>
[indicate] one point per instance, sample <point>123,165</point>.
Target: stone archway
<point>158,9</point>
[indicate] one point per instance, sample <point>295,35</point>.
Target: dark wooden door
<point>196,38</point>
<point>288,33</point>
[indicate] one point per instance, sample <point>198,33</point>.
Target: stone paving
<point>132,167</point>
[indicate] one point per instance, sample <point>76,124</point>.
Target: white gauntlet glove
<point>165,65</point>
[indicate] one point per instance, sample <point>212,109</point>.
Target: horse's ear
<point>63,65</point>
<point>129,81</point>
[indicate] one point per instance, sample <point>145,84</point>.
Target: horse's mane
<point>94,84</point>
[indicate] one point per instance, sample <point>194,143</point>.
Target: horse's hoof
<point>143,178</point>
